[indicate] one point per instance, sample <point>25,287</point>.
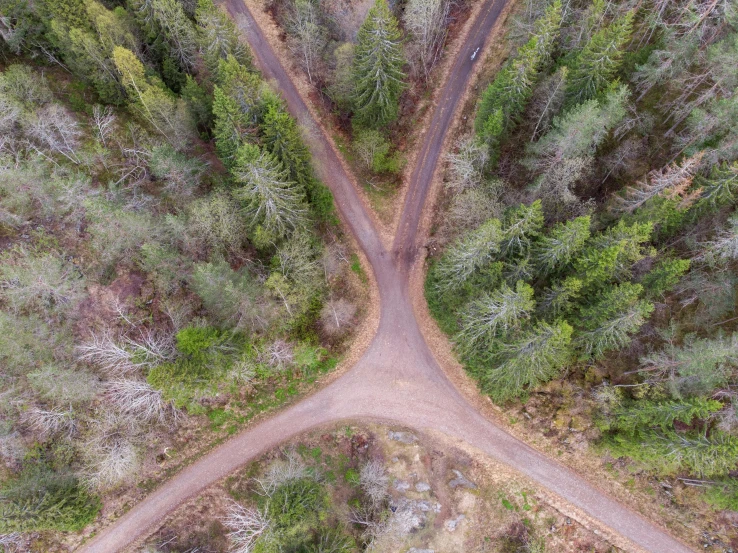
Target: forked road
<point>397,380</point>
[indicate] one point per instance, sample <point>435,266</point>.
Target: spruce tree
<point>529,360</point>
<point>559,247</point>
<point>596,65</point>
<point>579,131</point>
<point>227,127</point>
<point>469,254</point>
<point>505,98</point>
<point>273,204</point>
<point>721,187</point>
<point>610,323</point>
<point>282,138</point>
<point>377,68</point>
<point>522,225</point>
<point>494,314</point>
<point>218,36</point>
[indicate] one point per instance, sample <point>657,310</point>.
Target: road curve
<point>397,380</point>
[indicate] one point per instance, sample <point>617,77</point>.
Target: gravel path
<point>397,380</point>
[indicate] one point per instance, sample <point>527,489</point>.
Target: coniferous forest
<point>604,149</point>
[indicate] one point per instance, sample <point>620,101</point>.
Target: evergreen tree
<point>166,20</point>
<point>510,91</point>
<point>218,37</point>
<point>646,414</point>
<point>562,243</point>
<point>610,323</point>
<point>560,297</point>
<point>668,453</point>
<point>243,86</point>
<point>521,227</point>
<point>596,65</point>
<point>273,204</point>
<point>633,241</point>
<point>469,254</point>
<point>377,69</point>
<point>89,59</point>
<point>228,128</point>
<point>696,367</point>
<point>721,187</point>
<point>504,100</point>
<point>595,267</point>
<point>282,138</point>
<point>664,276</point>
<point>578,132</point>
<point>529,360</point>
<point>70,13</point>
<point>494,314</point>
<point>151,99</point>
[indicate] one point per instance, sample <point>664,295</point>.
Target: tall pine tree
<point>378,68</point>
<point>505,98</point>
<point>596,65</point>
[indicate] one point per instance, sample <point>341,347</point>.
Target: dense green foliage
<point>567,290</point>
<point>41,499</point>
<point>377,68</point>
<point>603,154</point>
<point>503,101</point>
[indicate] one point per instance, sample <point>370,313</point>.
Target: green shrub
<point>352,477</point>
<point>194,341</point>
<point>296,508</point>
<point>184,380</point>
<point>373,149</point>
<point>723,495</point>
<point>40,499</point>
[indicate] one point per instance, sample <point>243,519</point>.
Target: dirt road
<point>397,380</point>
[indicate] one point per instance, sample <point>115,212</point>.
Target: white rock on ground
<point>422,487</point>
<point>461,481</point>
<point>402,437</point>
<point>453,523</point>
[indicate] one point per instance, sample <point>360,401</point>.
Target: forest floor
<point>483,512</point>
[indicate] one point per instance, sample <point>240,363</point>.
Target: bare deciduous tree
<point>547,101</point>
<point>337,315</point>
<point>280,472</point>
<point>47,423</point>
<point>13,542</point>
<point>374,482</point>
<point>674,179</point>
<point>383,533</point>
<point>307,34</point>
<point>104,120</point>
<point>466,166</point>
<point>427,20</point>
<point>469,210</point>
<point>724,248</point>
<point>246,526</point>
<point>555,187</point>
<point>125,355</point>
<point>110,454</point>
<point>279,355</point>
<point>45,283</point>
<point>56,130</point>
<point>137,399</point>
